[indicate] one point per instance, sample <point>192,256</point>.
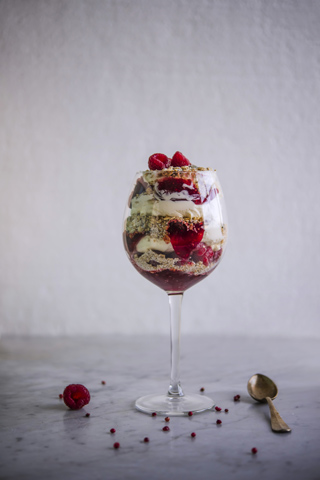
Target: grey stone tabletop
<point>42,439</point>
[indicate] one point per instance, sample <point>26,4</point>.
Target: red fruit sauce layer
<point>172,280</point>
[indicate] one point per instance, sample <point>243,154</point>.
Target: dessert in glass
<point>175,235</point>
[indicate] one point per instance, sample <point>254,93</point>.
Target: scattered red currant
<point>167,419</point>
<point>154,414</point>
<point>116,445</point>
<point>146,439</point>
<point>193,434</point>
<point>60,395</point>
<point>112,430</point>
<point>236,398</point>
<point>87,415</point>
<point>103,382</point>
<point>166,428</point>
<point>76,396</point>
<point>254,450</point>
<point>226,410</point>
<point>202,389</point>
<point>218,422</point>
<point>217,409</point>
<point>190,414</point>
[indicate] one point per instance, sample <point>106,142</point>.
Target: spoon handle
<point>277,424</point>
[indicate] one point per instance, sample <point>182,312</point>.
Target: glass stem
<point>175,300</point>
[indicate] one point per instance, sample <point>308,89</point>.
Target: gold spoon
<point>263,389</point>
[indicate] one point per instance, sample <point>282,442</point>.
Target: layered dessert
<point>175,232</point>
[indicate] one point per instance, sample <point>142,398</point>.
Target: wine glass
<point>175,234</point>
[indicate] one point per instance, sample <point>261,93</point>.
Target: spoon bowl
<point>260,387</point>
<point>263,389</point>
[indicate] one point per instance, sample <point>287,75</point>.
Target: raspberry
<point>204,253</point>
<point>76,396</point>
<point>216,256</point>
<point>184,237</point>
<point>158,161</point>
<point>179,160</point>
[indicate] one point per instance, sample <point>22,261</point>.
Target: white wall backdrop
<point>88,90</point>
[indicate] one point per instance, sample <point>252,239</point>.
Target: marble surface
<point>41,438</point>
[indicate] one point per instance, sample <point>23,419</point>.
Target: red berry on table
<point>76,396</point>
<point>103,382</point>
<point>193,434</point>
<point>226,410</point>
<point>179,160</point>
<point>202,389</point>
<point>236,398</point>
<point>167,419</point>
<point>190,414</point>
<point>112,430</point>
<point>166,429</point>
<point>60,395</point>
<point>254,450</point>
<point>87,415</point>
<point>218,422</point>
<point>116,445</point>
<point>217,409</point>
<point>154,414</point>
<point>146,439</point>
<point>158,161</point>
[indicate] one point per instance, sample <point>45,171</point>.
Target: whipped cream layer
<point>149,243</point>
<point>147,204</point>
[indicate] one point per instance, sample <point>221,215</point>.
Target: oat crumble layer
<point>156,227</point>
<point>161,262</point>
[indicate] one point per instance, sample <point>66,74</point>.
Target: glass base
<point>174,406</point>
